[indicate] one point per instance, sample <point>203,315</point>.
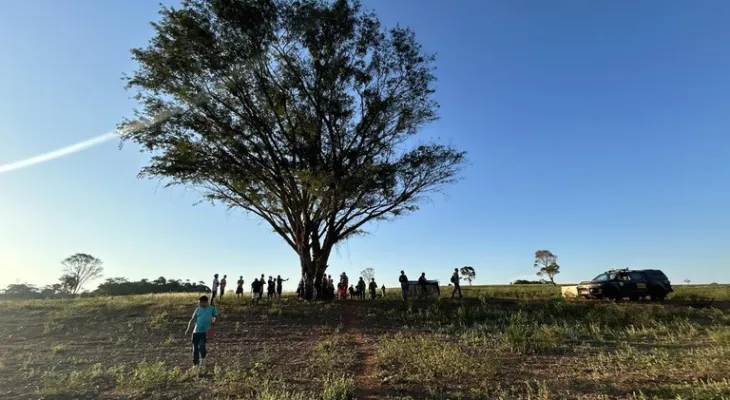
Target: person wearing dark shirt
<point>403,279</point>
<point>256,286</point>
<point>239,287</point>
<point>224,282</point>
<point>373,288</point>
<point>278,285</point>
<point>383,289</point>
<point>455,279</point>
<point>422,282</point>
<point>361,287</point>
<point>271,287</point>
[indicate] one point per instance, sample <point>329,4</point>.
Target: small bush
<point>338,388</point>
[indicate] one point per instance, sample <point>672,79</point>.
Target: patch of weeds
<point>276,309</point>
<point>157,320</point>
<point>333,354</point>
<point>170,340</point>
<point>51,326</point>
<point>431,360</point>
<point>74,383</point>
<point>147,376</point>
<point>701,390</point>
<point>338,388</point>
<point>720,335</point>
<point>244,384</point>
<point>58,348</point>
<point>263,362</point>
<point>524,336</point>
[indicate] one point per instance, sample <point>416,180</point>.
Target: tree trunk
<point>313,273</point>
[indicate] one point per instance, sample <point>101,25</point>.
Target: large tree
<point>78,269</point>
<point>300,112</point>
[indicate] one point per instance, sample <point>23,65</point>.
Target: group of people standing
<point>273,287</point>
<point>405,284</point>
<point>327,290</point>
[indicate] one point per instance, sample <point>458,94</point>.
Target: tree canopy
<point>300,112</point>
<point>547,262</point>
<point>468,273</point>
<point>368,274</point>
<point>78,269</point>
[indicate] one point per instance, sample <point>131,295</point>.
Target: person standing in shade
<point>403,279</point>
<point>239,287</point>
<point>361,287</point>
<point>204,317</point>
<point>373,289</point>
<point>279,281</point>
<point>256,287</point>
<point>224,282</point>
<point>383,289</point>
<point>271,287</point>
<point>214,289</point>
<point>422,282</point>
<point>455,279</point>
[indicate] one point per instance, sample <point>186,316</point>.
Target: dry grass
<point>507,342</point>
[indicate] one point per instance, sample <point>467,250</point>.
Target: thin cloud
<point>58,153</point>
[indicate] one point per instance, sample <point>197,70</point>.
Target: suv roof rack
<point>618,270</point>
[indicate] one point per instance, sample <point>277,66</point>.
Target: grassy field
<point>502,342</point>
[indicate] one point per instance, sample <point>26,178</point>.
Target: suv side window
<point>637,276</point>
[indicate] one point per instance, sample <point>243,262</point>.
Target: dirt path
<point>366,381</point>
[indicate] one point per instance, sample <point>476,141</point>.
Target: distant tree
<point>367,274</point>
<point>122,286</point>
<point>21,291</point>
<point>686,281</point>
<point>78,270</point>
<point>548,264</point>
<point>299,112</point>
<point>468,273</point>
<point>55,290</point>
<point>528,282</point>
<point>68,283</point>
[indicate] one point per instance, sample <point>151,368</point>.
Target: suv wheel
<point>658,296</point>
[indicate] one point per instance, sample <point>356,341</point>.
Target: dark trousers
<point>199,350</point>
<point>404,289</point>
<point>457,288</point>
<point>223,290</point>
<point>212,296</point>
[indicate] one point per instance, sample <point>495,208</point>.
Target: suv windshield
<point>604,277</point>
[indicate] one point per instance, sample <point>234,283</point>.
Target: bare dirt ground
<point>383,349</point>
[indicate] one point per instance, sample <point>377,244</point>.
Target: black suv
<point>621,283</point>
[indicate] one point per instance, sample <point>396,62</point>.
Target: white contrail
<point>64,151</point>
<point>80,146</point>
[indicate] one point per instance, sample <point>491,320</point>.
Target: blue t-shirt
<point>203,317</point>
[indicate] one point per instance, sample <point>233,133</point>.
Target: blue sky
<point>598,130</point>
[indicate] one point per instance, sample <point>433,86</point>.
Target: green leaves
<point>296,111</point>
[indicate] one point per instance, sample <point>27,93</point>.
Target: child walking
<point>204,317</point>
